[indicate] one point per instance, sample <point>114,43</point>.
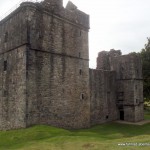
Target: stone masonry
<point>116,88</point>
<point>45,76</point>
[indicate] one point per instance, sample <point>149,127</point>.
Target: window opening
<point>5,65</point>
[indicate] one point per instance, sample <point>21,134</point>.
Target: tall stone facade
<point>116,87</point>
<point>44,66</point>
<point>45,76</point>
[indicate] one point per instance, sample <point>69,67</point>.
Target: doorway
<point>122,115</point>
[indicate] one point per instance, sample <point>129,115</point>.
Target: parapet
<point>112,53</point>
<point>53,3</point>
<point>103,59</point>
<point>55,8</point>
<point>28,11</point>
<point>126,66</point>
<point>70,13</point>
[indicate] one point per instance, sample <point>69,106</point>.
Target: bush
<point>146,104</point>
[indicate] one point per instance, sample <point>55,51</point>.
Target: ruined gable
<point>70,6</point>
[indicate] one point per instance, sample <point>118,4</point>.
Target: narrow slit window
<point>82,96</point>
<point>5,93</point>
<point>5,65</point>
<point>63,90</point>
<point>80,33</point>
<point>107,117</point>
<point>80,71</point>
<point>6,37</point>
<point>79,55</point>
<point>136,87</point>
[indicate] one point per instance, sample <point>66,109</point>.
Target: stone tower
<point>117,80</point>
<point>129,89</point>
<point>44,66</point>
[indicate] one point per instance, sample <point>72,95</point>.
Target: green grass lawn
<point>102,137</point>
<point>147,114</point>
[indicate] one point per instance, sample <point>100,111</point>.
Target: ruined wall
<point>139,113</point>
<point>129,83</point>
<point>13,41</point>
<point>13,30</point>
<point>49,69</point>
<point>127,67</point>
<point>103,96</point>
<point>44,71</point>
<point>104,59</point>
<point>13,89</point>
<point>134,113</point>
<point>55,93</point>
<point>57,70</point>
<point>131,91</point>
<point>130,98</point>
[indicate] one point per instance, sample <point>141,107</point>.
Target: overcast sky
<point>118,24</point>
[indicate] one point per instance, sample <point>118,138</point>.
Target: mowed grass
<point>102,137</point>
<point>147,114</point>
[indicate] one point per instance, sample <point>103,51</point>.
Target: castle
<point>45,76</point>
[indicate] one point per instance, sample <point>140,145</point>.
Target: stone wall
<point>127,67</point>
<point>51,75</point>
<point>13,89</point>
<point>134,113</point>
<point>45,76</point>
<point>103,96</point>
<point>104,59</point>
<point>130,91</point>
<point>57,70</point>
<point>13,39</point>
<point>13,30</point>
<point>129,83</point>
<point>57,93</point>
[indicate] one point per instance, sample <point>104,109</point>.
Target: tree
<point>145,54</point>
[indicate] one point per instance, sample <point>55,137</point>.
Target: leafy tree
<point>145,54</point>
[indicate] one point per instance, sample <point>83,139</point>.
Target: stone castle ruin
<point>116,88</point>
<point>45,76</point>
